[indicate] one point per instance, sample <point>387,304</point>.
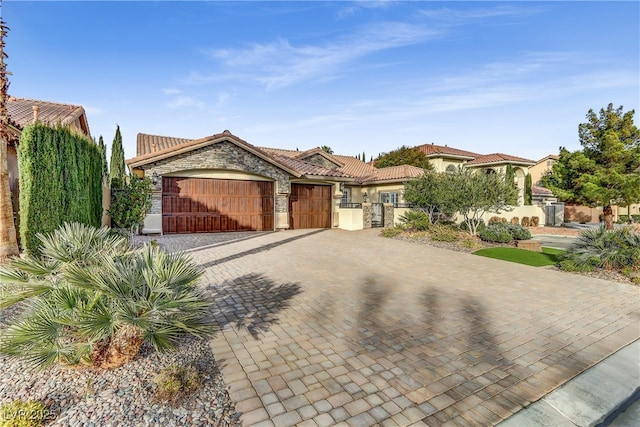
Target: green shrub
<point>470,244</point>
<point>444,233</point>
<point>61,175</point>
<point>174,382</point>
<point>518,232</point>
<point>572,267</point>
<point>91,298</point>
<point>23,413</point>
<point>496,233</point>
<point>415,220</point>
<point>391,232</point>
<point>615,250</point>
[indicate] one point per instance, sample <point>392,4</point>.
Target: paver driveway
<point>324,327</point>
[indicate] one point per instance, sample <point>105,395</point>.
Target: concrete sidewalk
<point>596,397</point>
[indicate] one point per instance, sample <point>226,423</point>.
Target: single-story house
<point>222,183</point>
<point>21,112</point>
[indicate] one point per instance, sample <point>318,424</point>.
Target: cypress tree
<point>118,172</point>
<point>103,153</point>
<point>528,190</point>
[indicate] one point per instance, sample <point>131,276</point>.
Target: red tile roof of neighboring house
<point>21,112</point>
<point>499,158</point>
<point>394,173</point>
<point>541,191</point>
<point>432,150</point>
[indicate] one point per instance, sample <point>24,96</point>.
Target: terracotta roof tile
<point>499,158</point>
<point>307,168</point>
<point>432,150</point>
<point>20,111</point>
<point>541,191</point>
<point>394,173</point>
<point>145,143</point>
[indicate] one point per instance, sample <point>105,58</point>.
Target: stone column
<point>366,215</point>
<point>388,215</point>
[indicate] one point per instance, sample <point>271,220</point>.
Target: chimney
<point>36,113</point>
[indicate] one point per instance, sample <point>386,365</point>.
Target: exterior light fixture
<point>364,197</point>
<point>155,178</point>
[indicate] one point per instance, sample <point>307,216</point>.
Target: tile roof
<point>541,191</point>
<point>432,150</point>
<point>499,158</point>
<point>394,173</point>
<point>20,111</point>
<point>307,168</point>
<point>151,143</point>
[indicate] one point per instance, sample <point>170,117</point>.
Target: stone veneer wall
<point>367,213</point>
<point>223,155</point>
<point>388,215</point>
<point>318,159</point>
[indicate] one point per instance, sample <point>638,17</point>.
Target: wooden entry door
<point>206,205</point>
<point>310,206</point>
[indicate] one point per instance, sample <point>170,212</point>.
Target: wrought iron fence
<point>350,205</point>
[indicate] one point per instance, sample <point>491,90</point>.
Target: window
<point>346,196</point>
<point>389,197</point>
<point>451,169</point>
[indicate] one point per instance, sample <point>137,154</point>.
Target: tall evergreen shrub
<point>60,181</point>
<point>118,169</point>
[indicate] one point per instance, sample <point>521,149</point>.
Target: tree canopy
<point>469,192</point>
<point>326,149</point>
<point>403,156</point>
<point>607,169</point>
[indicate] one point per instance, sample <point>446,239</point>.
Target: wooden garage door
<point>310,206</point>
<point>204,205</point>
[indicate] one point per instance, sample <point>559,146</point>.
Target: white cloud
<point>281,63</point>
<point>185,101</point>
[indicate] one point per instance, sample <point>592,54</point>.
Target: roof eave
<point>501,162</point>
<point>450,156</point>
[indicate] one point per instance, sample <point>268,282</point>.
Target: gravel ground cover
<point>124,396</point>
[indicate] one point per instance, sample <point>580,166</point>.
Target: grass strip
<point>548,256</point>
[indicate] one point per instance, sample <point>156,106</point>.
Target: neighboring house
<point>21,112</point>
<point>541,167</point>
<point>448,159</point>
<point>222,183</point>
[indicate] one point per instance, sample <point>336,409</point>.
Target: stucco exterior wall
<point>373,192</point>
<point>350,219</point>
<point>519,212</point>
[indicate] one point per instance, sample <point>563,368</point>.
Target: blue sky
<point>511,77</point>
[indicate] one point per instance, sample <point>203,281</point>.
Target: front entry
<point>310,206</point>
<point>377,215</point>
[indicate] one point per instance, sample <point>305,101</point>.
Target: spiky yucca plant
<point>92,298</point>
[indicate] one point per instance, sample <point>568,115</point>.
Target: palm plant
<point>92,298</point>
<point>610,249</point>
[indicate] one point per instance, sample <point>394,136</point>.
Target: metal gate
<point>554,214</point>
<point>377,215</point>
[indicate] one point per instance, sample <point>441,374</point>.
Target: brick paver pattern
<point>326,327</point>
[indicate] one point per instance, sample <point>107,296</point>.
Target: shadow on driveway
<point>252,301</point>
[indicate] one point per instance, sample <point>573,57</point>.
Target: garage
<point>310,206</point>
<point>207,205</point>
